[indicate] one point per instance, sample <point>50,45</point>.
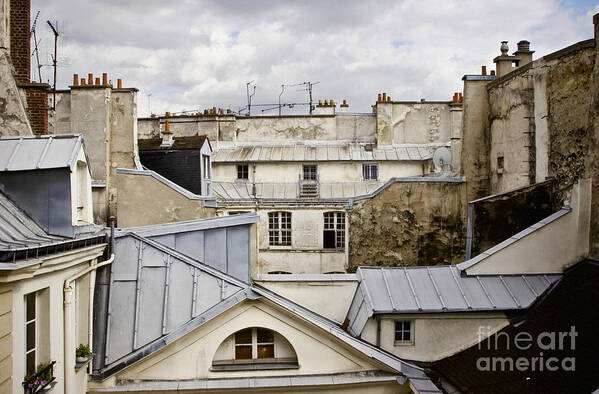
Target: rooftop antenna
<point>54,60</point>
<point>308,87</point>
<point>36,43</point>
<point>150,103</point>
<point>249,96</point>
<point>282,90</point>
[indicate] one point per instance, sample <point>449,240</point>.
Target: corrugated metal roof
<point>306,152</point>
<point>235,191</point>
<point>40,152</point>
<point>440,289</point>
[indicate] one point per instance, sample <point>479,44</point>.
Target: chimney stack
<point>75,80</point>
<point>104,79</point>
<point>524,54</point>
<point>119,83</point>
<point>483,70</point>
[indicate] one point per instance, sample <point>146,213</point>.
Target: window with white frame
<point>30,333</point>
<point>370,172</point>
<point>253,343</point>
<point>310,171</point>
<point>279,228</point>
<point>403,332</point>
<point>242,171</point>
<point>334,230</point>
<point>207,169</point>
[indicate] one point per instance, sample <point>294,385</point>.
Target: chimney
<point>97,80</point>
<point>460,98</point>
<point>167,136</point>
<point>384,96</point>
<point>483,70</point>
<point>75,80</point>
<point>503,62</point>
<point>492,73</point>
<point>20,46</point>
<point>344,107</point>
<point>524,54</point>
<point>104,79</point>
<point>119,83</point>
<point>380,98</point>
<point>455,98</point>
<point>90,79</point>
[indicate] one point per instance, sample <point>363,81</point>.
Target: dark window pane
<point>30,336</point>
<point>243,352</point>
<point>243,336</point>
<point>31,362</point>
<point>329,239</point>
<point>266,351</point>
<point>265,335</point>
<point>30,301</point>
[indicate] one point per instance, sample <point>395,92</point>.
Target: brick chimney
<point>19,39</point>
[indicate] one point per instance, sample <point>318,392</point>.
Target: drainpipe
<point>69,323</point>
<point>378,331</point>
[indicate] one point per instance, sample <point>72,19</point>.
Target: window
<point>254,348</point>
<point>30,333</point>
<point>242,171</point>
<point>207,169</point>
<point>403,331</point>
<point>310,172</point>
<point>279,228</point>
<point>370,172</point>
<point>334,230</point>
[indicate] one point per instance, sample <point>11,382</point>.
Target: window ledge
<point>81,364</point>
<point>254,365</point>
<point>403,343</point>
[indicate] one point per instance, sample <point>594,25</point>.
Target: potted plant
<point>82,354</point>
<point>42,377</point>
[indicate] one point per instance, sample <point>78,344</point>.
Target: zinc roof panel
<point>498,293</point>
<point>449,290</point>
<point>425,291</point>
<point>400,290</point>
<point>322,153</point>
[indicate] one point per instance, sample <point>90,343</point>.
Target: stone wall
<point>408,224</point>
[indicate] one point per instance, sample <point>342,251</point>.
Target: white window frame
<point>367,171</point>
<point>241,168</point>
<point>255,344</point>
<point>402,331</point>
<point>207,170</point>
<point>338,219</point>
<point>310,175</point>
<point>35,325</point>
<point>276,234</point>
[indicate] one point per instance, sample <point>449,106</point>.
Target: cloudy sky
<point>191,55</point>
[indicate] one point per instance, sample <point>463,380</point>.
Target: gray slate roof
<point>310,152</point>
<point>227,192</point>
<point>439,289</point>
<point>40,152</point>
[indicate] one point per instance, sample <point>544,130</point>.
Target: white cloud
<point>199,54</point>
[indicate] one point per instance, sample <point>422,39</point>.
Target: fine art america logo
<point>554,343</point>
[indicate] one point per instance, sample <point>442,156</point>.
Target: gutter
<point>69,321</point>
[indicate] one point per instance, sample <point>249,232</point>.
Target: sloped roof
<point>40,152</point>
<point>440,289</point>
<point>315,152</point>
<point>228,192</point>
<point>179,143</point>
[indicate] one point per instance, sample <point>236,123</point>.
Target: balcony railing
<point>39,381</point>
<point>309,187</point>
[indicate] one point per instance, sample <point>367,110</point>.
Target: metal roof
<point>40,152</point>
<point>227,192</point>
<point>311,152</point>
<point>439,289</point>
<point>21,237</point>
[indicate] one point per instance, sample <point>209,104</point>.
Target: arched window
<point>254,348</point>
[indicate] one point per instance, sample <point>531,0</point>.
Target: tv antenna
<point>308,88</point>
<point>54,30</point>
<point>249,96</point>
<point>36,43</point>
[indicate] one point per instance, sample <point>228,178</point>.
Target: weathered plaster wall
<point>407,224</point>
<point>592,162</point>
<point>475,138</point>
<point>143,201</point>
<point>59,121</point>
<point>13,115</point>
<point>305,255</point>
<point>317,295</point>
<point>5,339</point>
<point>511,117</point>
<point>412,123</point>
<point>436,336</point>
<point>265,129</point>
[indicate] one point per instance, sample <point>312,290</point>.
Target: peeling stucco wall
<point>413,123</point>
<point>409,224</point>
<point>13,115</point>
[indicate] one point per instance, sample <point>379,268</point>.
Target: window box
<point>41,380</point>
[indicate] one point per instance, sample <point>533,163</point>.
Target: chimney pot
<point>104,79</point>
<point>484,70</point>
<point>228,111</point>
<point>422,100</point>
<point>332,102</point>
<point>153,115</point>
<point>82,81</point>
<point>379,98</point>
<point>168,114</point>
<point>167,127</point>
<point>492,73</point>
<point>384,96</point>
<point>319,102</point>
<point>75,79</point>
<point>119,83</point>
<point>97,80</point>
<point>523,46</point>
<point>388,98</point>
<point>90,79</point>
<point>455,98</point>
<point>504,48</point>
<point>344,102</point>
<point>460,97</point>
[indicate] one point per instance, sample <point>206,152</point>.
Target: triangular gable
<point>154,291</point>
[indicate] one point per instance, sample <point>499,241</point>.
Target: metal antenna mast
<point>54,59</point>
<point>282,90</point>
<point>249,96</point>
<point>36,42</point>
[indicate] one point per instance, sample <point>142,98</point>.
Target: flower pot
<point>81,359</point>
